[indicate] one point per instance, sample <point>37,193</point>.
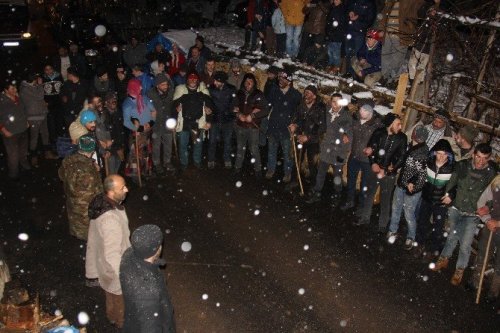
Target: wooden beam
<point>400,93</point>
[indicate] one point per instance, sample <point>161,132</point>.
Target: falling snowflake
<point>391,239</point>
<point>449,57</point>
<point>306,247</point>
<point>432,265</point>
<point>204,297</point>
<point>301,291</point>
<point>209,215</point>
<point>83,318</point>
<point>186,246</point>
<point>23,237</point>
<point>348,35</point>
<point>239,183</point>
<point>343,323</point>
<point>145,198</point>
<point>256,212</point>
<point>265,193</point>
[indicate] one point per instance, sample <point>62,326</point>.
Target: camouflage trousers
<point>78,219</point>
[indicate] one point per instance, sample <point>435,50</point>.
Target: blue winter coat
<point>372,56</point>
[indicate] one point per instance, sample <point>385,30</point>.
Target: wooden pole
<point>137,159</point>
<point>400,93</point>
<point>297,166</point>
<point>106,166</point>
<point>411,114</point>
<point>452,94</point>
<point>484,267</point>
<point>471,110</point>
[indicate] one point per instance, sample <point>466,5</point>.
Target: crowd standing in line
<point>146,111</point>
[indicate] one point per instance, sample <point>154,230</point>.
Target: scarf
<point>134,91</point>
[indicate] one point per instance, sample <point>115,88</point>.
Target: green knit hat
<point>86,143</point>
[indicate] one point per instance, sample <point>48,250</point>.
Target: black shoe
<point>361,222</point>
<point>348,205</point>
<point>159,171</point>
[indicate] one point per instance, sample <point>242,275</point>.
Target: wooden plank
<point>400,93</point>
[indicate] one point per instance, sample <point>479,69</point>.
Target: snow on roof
<point>470,20</point>
<point>363,95</point>
<point>382,109</point>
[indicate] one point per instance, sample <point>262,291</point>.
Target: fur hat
<point>469,133</point>
<point>86,143</point>
<point>146,240</point>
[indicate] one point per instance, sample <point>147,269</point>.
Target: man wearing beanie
<point>82,182</point>
<point>334,148</point>
<point>148,308</point>
<point>385,151</point>
<point>162,96</point>
<point>463,146</point>
<point>439,127</point>
<point>223,118</point>
<point>409,187</point>
<point>284,100</point>
<point>364,124</point>
<point>308,125</point>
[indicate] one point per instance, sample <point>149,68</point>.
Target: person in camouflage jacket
<point>82,183</point>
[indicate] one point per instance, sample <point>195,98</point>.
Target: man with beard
<point>113,122</point>
<point>284,100</point>
<point>308,125</point>
<point>196,62</point>
<point>194,108</point>
<point>250,107</point>
<point>101,83</point>
<point>108,239</point>
<point>385,151</point>
<point>82,182</point>
<point>223,118</point>
<point>162,95</point>
<point>362,128</point>
<point>334,147</point>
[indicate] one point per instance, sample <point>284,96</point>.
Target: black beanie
<point>389,119</point>
<point>146,240</point>
<point>312,89</point>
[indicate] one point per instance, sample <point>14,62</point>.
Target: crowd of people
<point>351,37</point>
<point>149,114</point>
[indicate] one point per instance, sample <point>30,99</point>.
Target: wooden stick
<point>484,267</point>
<point>137,158</point>
<point>106,166</point>
<point>297,166</point>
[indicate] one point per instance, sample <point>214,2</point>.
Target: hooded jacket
<point>251,103</point>
<point>437,177</point>
<point>108,239</point>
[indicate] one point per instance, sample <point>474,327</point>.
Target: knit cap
<point>86,143</point>
<point>389,119</point>
<point>421,134</point>
<point>146,240</point>
<point>469,133</point>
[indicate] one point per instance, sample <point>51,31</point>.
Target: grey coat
<point>361,136</point>
<point>33,100</point>
<point>164,106</point>
<point>333,150</point>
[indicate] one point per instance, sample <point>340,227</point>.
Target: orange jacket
<point>292,11</point>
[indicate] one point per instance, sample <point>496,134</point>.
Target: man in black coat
<point>148,308</point>
<point>223,118</point>
<point>74,91</point>
<point>385,151</point>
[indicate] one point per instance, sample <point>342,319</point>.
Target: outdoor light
<point>26,35</point>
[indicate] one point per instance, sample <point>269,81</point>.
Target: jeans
<point>272,154</point>
<point>184,138</point>
<point>114,164</point>
<point>351,48</point>
<point>402,201</point>
<point>334,53</point>
<point>320,178</point>
<point>293,39</point>
<point>16,148</point>
<point>217,132</point>
<point>462,229</point>
<point>244,136</point>
<point>162,137</point>
<point>431,231</point>
<point>386,188</point>
<point>354,166</point>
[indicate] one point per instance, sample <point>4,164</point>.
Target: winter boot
<point>457,276</point>
<point>440,264</point>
